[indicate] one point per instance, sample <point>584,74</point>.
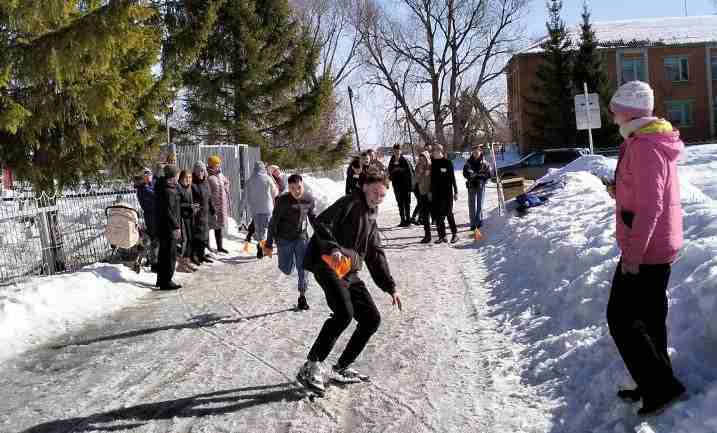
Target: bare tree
<point>433,51</point>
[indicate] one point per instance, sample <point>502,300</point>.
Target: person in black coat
<point>353,175</point>
<point>476,171</point>
<point>187,207</point>
<point>444,191</point>
<point>201,196</point>
<point>169,229</point>
<point>147,201</point>
<point>347,229</point>
<point>401,175</point>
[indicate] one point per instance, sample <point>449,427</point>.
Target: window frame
<point>682,64</point>
<point>640,75</point>
<point>685,103</point>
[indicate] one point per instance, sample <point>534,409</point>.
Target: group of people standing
<point>180,208</point>
<point>434,185</point>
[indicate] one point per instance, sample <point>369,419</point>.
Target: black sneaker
<point>633,395</point>
<point>440,240</point>
<point>170,286</point>
<point>222,250</point>
<point>454,238</point>
<point>302,304</point>
<point>426,240</point>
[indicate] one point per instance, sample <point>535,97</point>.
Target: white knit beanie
<point>635,99</point>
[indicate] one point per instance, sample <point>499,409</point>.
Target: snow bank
<point>41,308</point>
<point>551,273</point>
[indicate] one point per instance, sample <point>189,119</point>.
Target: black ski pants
<point>636,316</point>
<point>348,299</point>
<point>403,198</point>
<point>167,260</point>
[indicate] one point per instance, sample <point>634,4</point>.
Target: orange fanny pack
<point>343,267</point>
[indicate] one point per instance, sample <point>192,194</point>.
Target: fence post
<point>48,255</point>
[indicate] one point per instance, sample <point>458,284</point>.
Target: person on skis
<point>289,227</point>
<point>649,233</point>
<point>345,237</point>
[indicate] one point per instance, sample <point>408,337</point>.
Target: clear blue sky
<point>613,10</point>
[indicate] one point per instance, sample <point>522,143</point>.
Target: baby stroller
<point>124,234</point>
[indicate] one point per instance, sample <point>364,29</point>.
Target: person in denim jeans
<point>289,223</point>
<point>477,172</point>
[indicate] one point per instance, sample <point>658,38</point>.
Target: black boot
<point>302,304</point>
<point>633,395</point>
<point>426,239</point>
<point>220,241</point>
<point>454,238</point>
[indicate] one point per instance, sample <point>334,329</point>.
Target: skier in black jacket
<point>444,192</point>
<point>401,175</point>
<point>169,229</point>
<point>477,172</point>
<point>347,229</point>
<point>289,223</point>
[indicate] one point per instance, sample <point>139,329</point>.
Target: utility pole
<point>685,7</point>
<point>353,116</point>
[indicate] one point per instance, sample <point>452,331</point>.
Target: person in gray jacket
<point>261,191</point>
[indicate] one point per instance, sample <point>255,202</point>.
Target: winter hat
<point>214,161</point>
<point>199,167</point>
<point>146,172</point>
<point>259,167</point>
<point>635,99</point>
<point>170,171</point>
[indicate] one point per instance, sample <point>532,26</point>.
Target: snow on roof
<point>647,32</point>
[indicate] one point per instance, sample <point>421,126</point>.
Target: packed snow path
<point>221,355</point>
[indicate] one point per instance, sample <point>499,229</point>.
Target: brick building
<point>677,56</point>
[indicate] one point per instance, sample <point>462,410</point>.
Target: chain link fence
<point>46,235</point>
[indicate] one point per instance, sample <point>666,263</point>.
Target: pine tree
<point>590,68</point>
<point>252,83</point>
<point>77,92</point>
<point>552,112</point>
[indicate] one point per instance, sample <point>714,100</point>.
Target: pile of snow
<point>34,311</point>
<point>550,275</point>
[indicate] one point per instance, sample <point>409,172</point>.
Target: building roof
<point>646,32</point>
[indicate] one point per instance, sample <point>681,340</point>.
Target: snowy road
<point>220,355</point>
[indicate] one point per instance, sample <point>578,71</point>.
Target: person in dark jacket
<point>201,195</point>
<point>401,175</point>
<point>147,201</point>
<point>444,191</point>
<point>169,229</point>
<point>353,175</point>
<point>347,230</point>
<point>292,214</point>
<point>476,171</point>
<point>186,202</point>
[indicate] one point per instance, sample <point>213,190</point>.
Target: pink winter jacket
<point>647,187</point>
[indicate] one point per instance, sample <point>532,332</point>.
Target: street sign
<point>587,114</point>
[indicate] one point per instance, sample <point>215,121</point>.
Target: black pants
<point>425,208</point>
<point>187,236</point>
<point>250,231</point>
<point>166,261</point>
<point>403,198</point>
<point>348,299</point>
<point>636,315</point>
<point>219,239</point>
<point>199,247</point>
<point>440,218</point>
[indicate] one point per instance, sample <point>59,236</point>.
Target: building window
<point>633,68</point>
<point>679,113</point>
<point>714,67</point>
<point>677,69</point>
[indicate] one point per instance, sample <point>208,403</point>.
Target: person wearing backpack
<point>476,171</point>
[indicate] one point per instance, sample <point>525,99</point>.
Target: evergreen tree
<point>252,83</point>
<point>590,68</point>
<point>552,112</point>
<point>77,92</point>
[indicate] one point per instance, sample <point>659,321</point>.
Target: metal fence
<point>46,235</point>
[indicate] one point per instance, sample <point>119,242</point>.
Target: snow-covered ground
<point>505,335</point>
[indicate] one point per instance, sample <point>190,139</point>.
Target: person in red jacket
<point>649,234</point>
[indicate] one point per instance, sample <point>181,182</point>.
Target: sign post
<point>587,113</point>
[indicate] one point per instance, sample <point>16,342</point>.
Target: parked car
<point>536,164</point>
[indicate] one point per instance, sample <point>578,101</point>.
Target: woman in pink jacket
<point>220,193</point>
<point>649,234</point>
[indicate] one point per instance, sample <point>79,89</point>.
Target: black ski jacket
<point>170,213</point>
<point>349,225</point>
<point>291,217</point>
<point>202,196</point>
<point>353,178</point>
<point>476,171</point>
<point>443,185</point>
<point>400,173</point>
